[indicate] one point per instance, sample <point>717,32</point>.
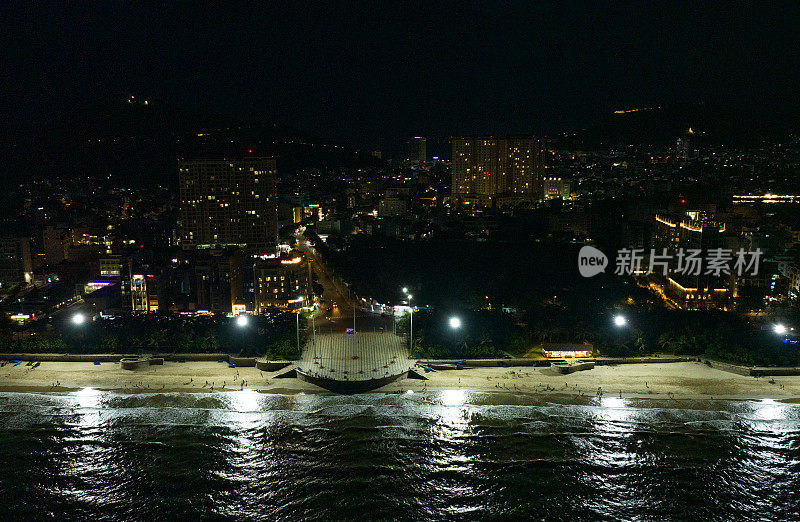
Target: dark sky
<point>362,74</point>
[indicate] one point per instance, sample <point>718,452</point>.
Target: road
<point>336,315</point>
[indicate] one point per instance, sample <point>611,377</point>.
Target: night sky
<point>372,74</point>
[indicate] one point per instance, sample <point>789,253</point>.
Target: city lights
<point>78,319</point>
<point>241,321</point>
<point>620,321</point>
<point>455,323</point>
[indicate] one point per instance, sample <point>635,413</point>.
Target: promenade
<point>359,356</point>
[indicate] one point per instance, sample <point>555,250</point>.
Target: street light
<point>241,320</point>
<point>411,327</point>
<point>455,323</point>
<point>78,318</point>
<point>779,329</point>
<point>620,321</point>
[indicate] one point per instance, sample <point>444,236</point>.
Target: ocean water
<point>450,455</point>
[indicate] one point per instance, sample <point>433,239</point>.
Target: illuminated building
<point>793,275</point>
<point>15,262</point>
<point>694,230</point>
<point>228,202</point>
<point>486,168</point>
<point>766,198</point>
<point>554,187</point>
<point>684,146</point>
<point>306,213</point>
<point>281,282</point>
<point>419,149</point>
<point>117,268</point>
<point>561,350</point>
<point>144,293</point>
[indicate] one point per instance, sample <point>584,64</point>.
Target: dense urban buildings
<point>549,251</point>
<point>228,202</point>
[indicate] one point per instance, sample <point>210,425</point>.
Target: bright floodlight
<point>779,329</point>
<point>241,320</point>
<point>620,320</point>
<point>410,296</point>
<point>405,289</point>
<point>78,318</point>
<point>455,323</point>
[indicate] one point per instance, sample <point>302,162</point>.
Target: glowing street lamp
<point>241,320</point>
<point>620,321</point>
<point>779,329</point>
<point>411,327</point>
<point>455,323</point>
<point>78,319</point>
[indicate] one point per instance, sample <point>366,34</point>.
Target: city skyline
<point>400,261</point>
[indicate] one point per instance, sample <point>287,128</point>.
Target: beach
<point>656,380</point>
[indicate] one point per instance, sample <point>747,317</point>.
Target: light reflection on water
<point>455,453</point>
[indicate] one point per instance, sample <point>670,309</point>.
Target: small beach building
<point>567,350</point>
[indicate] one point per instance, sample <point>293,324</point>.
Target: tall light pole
<point>314,332</point>
<point>411,329</point>
<point>241,322</point>
<point>78,319</point>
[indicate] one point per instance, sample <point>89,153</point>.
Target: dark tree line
<point>274,336</point>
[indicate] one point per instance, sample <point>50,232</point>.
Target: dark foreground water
<point>451,455</point>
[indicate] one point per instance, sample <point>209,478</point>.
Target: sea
<point>445,455</point>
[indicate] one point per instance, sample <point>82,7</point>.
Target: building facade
<point>281,282</point>
<point>144,293</point>
<point>15,262</point>
<point>486,169</point>
<point>419,149</point>
<point>229,202</point>
<point>692,288</point>
<point>218,280</point>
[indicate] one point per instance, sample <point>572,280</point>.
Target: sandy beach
<point>678,380</point>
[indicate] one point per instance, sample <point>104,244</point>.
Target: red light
<point>683,201</point>
<point>249,151</point>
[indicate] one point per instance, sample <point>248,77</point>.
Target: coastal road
<point>339,297</point>
<point>336,315</point>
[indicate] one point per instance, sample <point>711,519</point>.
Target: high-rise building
<point>15,262</point>
<point>218,280</point>
<point>419,149</point>
<point>229,202</point>
<point>485,169</point>
<point>56,242</point>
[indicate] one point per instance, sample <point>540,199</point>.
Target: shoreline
<point>672,381</point>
